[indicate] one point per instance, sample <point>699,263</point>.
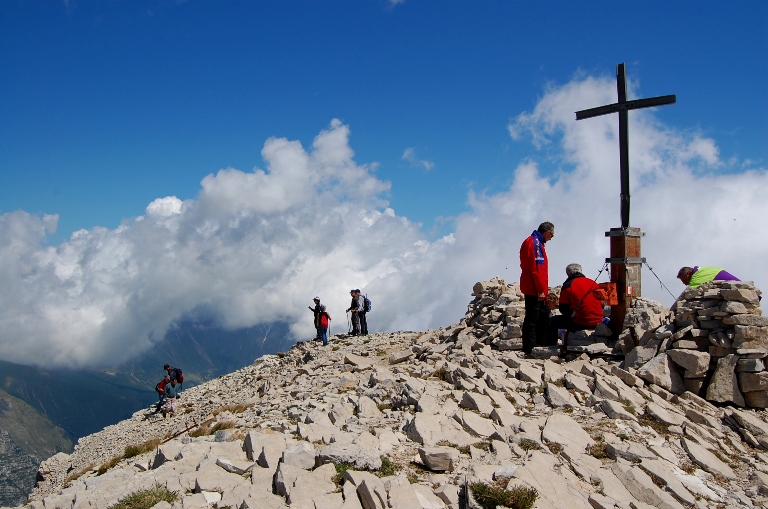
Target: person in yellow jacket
<point>694,276</point>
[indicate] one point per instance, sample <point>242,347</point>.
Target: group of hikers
<point>168,390</point>
<point>359,307</point>
<point>579,303</point>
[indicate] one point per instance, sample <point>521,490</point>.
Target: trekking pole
<point>349,324</point>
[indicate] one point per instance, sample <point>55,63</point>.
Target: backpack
<point>366,304</point>
<point>179,375</point>
<point>323,320</point>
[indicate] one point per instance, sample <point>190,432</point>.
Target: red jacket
<point>576,294</point>
<point>534,279</point>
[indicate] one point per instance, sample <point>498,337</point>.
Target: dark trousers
<point>363,323</point>
<point>355,323</point>
<point>535,322</point>
<point>160,403</point>
<point>563,322</point>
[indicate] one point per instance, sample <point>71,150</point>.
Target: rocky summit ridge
<point>426,419</point>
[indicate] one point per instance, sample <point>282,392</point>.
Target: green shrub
<point>387,467</point>
<point>145,499</point>
<point>519,497</point>
<point>341,469</point>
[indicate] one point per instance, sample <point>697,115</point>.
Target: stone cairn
<point>714,348</point>
<point>419,420</point>
<point>496,315</point>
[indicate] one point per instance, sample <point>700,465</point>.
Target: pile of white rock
<point>415,420</point>
<point>716,346</point>
<point>496,314</point>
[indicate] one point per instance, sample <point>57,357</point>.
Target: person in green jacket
<point>694,276</point>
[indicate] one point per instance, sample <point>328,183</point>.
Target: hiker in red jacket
<point>579,307</point>
<point>160,389</point>
<point>534,283</point>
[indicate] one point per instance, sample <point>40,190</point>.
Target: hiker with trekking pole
<point>355,308</point>
<point>316,311</point>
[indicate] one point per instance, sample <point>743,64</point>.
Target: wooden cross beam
<point>623,107</point>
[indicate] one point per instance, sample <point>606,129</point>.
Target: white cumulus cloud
<point>255,247</point>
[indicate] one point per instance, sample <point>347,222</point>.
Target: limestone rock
<point>662,371</point>
<point>724,386</point>
<point>694,363</point>
<point>706,460</point>
<point>439,459</point>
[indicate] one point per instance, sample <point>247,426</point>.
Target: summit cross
<point>623,107</point>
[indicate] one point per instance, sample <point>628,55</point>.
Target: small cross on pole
<point>625,260</point>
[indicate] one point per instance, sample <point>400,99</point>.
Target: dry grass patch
<point>234,409</point>
<point>222,425</point>
<point>135,450</point>
<point>659,427</point>
<point>554,447</point>
<point>104,467</point>
<point>598,451</point>
<point>489,496</point>
<point>77,474</point>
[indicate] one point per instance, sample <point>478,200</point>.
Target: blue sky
<point>108,105</point>
<point>436,113</point>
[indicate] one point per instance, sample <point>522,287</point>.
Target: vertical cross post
<point>625,260</point>
<point>621,88</point>
<point>626,270</point>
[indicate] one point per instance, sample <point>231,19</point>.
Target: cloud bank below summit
<point>255,247</point>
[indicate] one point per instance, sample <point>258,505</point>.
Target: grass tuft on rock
<point>659,427</point>
<point>388,468</point>
<point>598,451</point>
<point>554,447</point>
<point>527,444</point>
<point>222,425</point>
<point>341,469</point>
<point>489,496</point>
<point>109,464</point>
<point>136,450</point>
<point>145,499</point>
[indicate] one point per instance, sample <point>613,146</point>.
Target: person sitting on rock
<point>579,307</point>
<point>694,276</point>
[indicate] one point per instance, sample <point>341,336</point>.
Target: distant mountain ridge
<point>26,438</point>
<point>60,405</point>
